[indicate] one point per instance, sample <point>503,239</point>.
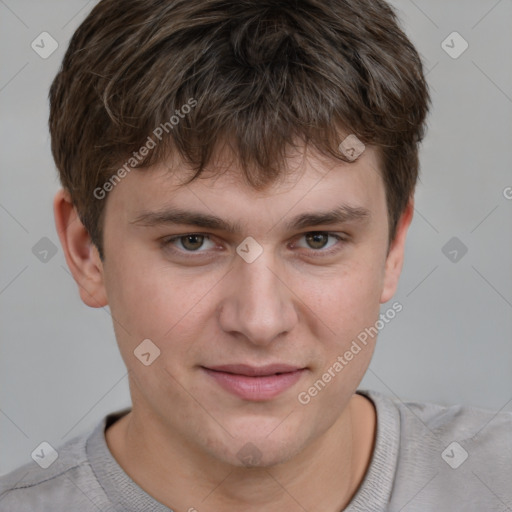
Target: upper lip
<point>255,371</point>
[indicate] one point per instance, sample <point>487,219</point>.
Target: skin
<point>292,305</point>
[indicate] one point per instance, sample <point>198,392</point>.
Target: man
<point>238,182</point>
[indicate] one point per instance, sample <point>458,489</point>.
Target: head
<point>237,110</point>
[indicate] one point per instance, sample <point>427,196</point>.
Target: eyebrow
<point>342,214</point>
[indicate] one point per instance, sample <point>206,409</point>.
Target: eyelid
<point>167,241</point>
<point>341,237</point>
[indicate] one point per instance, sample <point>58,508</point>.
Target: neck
<point>322,477</point>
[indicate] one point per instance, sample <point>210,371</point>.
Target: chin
<point>260,452</point>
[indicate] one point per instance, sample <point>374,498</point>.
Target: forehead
<point>310,183</point>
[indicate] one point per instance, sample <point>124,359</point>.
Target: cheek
<point>149,299</point>
<point>346,300</point>
<point>347,307</point>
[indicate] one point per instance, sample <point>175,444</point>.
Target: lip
<point>255,371</point>
<point>255,383</point>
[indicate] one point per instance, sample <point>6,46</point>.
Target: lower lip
<point>255,388</point>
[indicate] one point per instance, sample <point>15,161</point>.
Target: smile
<point>256,387</point>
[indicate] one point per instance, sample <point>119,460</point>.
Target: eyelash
<point>167,242</point>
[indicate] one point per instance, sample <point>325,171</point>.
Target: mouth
<point>255,371</point>
<point>255,383</point>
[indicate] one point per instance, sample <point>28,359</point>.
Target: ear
<point>395,257</point>
<point>81,254</point>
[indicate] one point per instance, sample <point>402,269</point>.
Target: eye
<point>189,243</point>
<point>317,241</point>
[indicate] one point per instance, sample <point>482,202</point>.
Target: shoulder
<point>457,415</point>
<point>476,428</point>
<point>463,422</point>
<point>65,484</point>
<point>455,455</point>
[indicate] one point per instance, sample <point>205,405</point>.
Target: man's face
<point>301,302</point>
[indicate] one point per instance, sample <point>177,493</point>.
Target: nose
<point>259,303</point>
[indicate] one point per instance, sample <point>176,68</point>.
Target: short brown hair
<point>262,73</point>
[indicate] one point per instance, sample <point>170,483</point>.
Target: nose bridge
<point>259,305</point>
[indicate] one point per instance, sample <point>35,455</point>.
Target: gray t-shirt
<point>427,457</point>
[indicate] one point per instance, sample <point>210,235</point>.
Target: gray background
<point>60,370</point>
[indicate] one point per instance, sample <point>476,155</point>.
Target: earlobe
<point>395,257</point>
<point>81,255</point>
